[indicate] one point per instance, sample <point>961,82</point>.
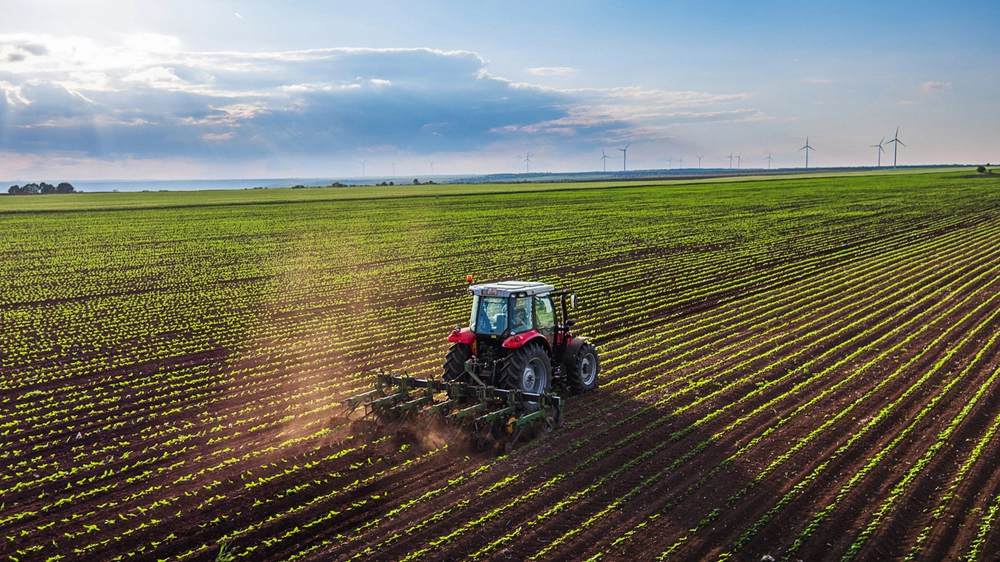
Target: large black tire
<point>454,362</point>
<point>528,369</point>
<point>582,375</point>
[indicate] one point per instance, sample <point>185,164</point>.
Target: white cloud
<point>155,76</point>
<point>13,94</point>
<point>594,106</point>
<point>85,121</point>
<point>148,99</point>
<point>92,81</point>
<point>814,80</point>
<point>552,70</point>
<point>218,137</point>
<point>242,110</point>
<point>613,106</point>
<point>931,86</point>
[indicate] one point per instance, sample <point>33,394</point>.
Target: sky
<point>214,89</point>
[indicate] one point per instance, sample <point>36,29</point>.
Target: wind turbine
<point>527,162</point>
<point>604,160</point>
<point>896,142</point>
<point>393,169</point>
<point>670,163</point>
<point>880,150</point>
<point>739,158</point>
<point>363,167</point>
<point>730,160</point>
<point>625,156</point>
<point>680,163</point>
<point>768,159</point>
<point>432,167</point>
<point>807,148</point>
<point>699,161</point>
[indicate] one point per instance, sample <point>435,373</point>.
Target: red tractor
<point>518,338</point>
<point>500,370</point>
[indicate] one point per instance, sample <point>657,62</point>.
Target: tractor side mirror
<point>572,301</point>
<point>570,322</point>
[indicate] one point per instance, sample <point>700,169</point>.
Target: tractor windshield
<point>489,315</point>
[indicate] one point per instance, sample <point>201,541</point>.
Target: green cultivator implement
<point>491,412</point>
<point>500,370</point>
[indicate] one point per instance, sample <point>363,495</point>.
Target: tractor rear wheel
<point>454,362</point>
<point>582,376</point>
<point>528,369</point>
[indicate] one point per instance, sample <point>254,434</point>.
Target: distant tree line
<point>40,189</point>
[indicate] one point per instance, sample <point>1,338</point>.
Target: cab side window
<point>545,313</point>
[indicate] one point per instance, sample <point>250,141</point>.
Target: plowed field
<point>801,368</point>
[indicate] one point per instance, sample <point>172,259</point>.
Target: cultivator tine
<point>442,407</point>
<point>354,401</point>
<point>387,400</point>
<point>545,403</point>
<point>496,415</point>
<point>509,445</point>
<point>467,412</point>
<point>411,408</point>
<point>415,403</point>
<point>538,414</point>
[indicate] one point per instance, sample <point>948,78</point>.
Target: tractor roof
<point>511,288</point>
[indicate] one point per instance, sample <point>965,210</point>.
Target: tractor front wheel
<point>582,376</point>
<point>454,362</point>
<point>528,369</point>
